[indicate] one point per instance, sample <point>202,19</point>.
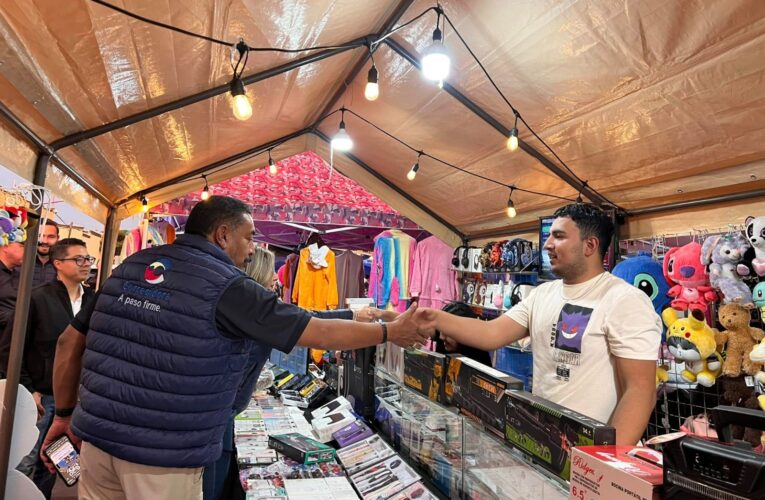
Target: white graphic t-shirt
<point>576,330</point>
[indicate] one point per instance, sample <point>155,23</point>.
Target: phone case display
<point>547,431</point>
<point>390,358</point>
<point>265,482</point>
<point>479,391</point>
<point>332,488</point>
<point>384,479</point>
<point>300,448</point>
<point>424,372</point>
<point>324,426</point>
<point>363,454</point>
<point>352,433</point>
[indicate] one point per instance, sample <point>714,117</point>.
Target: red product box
<point>615,472</point>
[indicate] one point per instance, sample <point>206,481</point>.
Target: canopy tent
<point>306,196</point>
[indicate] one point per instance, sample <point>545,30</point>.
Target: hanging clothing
<point>391,269</point>
<point>315,285</point>
<point>290,272</point>
<point>432,280</point>
<point>350,276</point>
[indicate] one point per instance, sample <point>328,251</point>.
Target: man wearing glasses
<point>52,308</point>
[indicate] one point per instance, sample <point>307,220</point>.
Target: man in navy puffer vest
<point>165,351</point>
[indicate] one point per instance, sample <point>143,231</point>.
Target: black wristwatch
<point>384,332</point>
<point>63,412</point>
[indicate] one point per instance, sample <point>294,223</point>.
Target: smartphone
<point>65,458</point>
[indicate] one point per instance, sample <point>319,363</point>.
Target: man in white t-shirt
<point>595,338</point>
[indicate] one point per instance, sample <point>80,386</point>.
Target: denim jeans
<point>31,465</point>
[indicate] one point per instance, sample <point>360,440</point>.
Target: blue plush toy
<point>646,274</point>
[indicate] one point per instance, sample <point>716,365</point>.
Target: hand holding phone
<point>65,459</point>
<point>59,426</point>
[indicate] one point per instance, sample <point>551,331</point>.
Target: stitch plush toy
<point>645,274</point>
<point>739,339</point>
<point>687,278</point>
<point>758,297</point>
<point>755,231</point>
<point>723,255</point>
<point>692,341</point>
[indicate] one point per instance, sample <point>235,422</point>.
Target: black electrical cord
<point>455,167</point>
<point>514,110</point>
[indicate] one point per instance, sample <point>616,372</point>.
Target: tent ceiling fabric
<point>642,98</point>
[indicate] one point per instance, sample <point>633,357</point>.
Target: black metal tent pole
<point>358,161</point>
<point>496,125</point>
<point>108,246</point>
<point>20,323</point>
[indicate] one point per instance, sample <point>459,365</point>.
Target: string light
<point>372,90</point>
<point>144,204</point>
<point>512,140</point>
<point>413,171</point>
<point>342,141</point>
<point>272,168</point>
<point>511,211</point>
<point>436,62</point>
<point>206,190</point>
<point>241,103</point>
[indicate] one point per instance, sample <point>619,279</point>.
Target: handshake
<point>413,327</point>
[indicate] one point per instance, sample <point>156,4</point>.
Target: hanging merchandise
<point>738,339</point>
<point>644,273</point>
<point>433,282</point>
<point>688,278</point>
<point>290,272</point>
<point>315,285</point>
<point>755,231</point>
<point>391,267</point>
<point>724,256</point>
<point>350,276</point>
<point>692,341</point>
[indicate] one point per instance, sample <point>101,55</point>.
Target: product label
<point>527,443</point>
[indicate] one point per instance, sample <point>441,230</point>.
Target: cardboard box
<point>479,391</point>
<point>547,432</point>
<point>328,424</point>
<point>424,372</point>
<point>337,404</point>
<point>352,433</point>
<point>301,449</point>
<point>615,472</point>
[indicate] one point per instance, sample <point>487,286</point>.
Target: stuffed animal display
<point>692,341</point>
<point>688,278</point>
<point>646,274</point>
<point>755,231</point>
<point>13,224</point>
<point>738,339</point>
<point>724,256</point>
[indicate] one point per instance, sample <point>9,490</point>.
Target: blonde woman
<point>261,267</point>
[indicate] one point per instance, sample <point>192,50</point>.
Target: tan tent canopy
<point>652,102</point>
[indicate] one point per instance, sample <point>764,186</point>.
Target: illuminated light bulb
<point>144,204</point>
<point>512,140</point>
<point>205,193</point>
<point>272,168</point>
<point>342,141</point>
<point>372,90</point>
<point>511,212</point>
<point>436,62</point>
<point>413,171</point>
<point>241,104</point>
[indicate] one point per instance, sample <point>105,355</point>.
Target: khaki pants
<point>104,477</point>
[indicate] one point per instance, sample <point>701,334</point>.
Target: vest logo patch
<point>154,274</point>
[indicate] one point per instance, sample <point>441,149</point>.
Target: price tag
<point>749,381</point>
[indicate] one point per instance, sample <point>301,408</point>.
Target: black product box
<point>547,432</point>
<point>424,372</point>
<point>479,391</point>
<point>301,449</point>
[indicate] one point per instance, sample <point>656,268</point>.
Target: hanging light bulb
<point>144,204</point>
<point>272,168</point>
<point>512,140</point>
<point>206,190</point>
<point>436,62</point>
<point>511,212</point>
<point>241,104</point>
<point>342,141</point>
<point>372,90</point>
<point>413,171</point>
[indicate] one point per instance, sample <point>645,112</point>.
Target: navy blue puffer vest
<point>158,379</point>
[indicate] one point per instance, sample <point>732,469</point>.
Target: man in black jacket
<point>52,307</point>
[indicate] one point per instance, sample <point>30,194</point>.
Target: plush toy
<point>758,297</point>
<point>724,256</point>
<point>688,278</point>
<point>662,374</point>
<point>755,231</point>
<point>757,355</point>
<point>739,339</point>
<point>692,341</point>
<point>13,223</point>
<point>646,274</point>
<point>737,393</point>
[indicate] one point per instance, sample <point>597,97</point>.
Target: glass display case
<point>459,457</point>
